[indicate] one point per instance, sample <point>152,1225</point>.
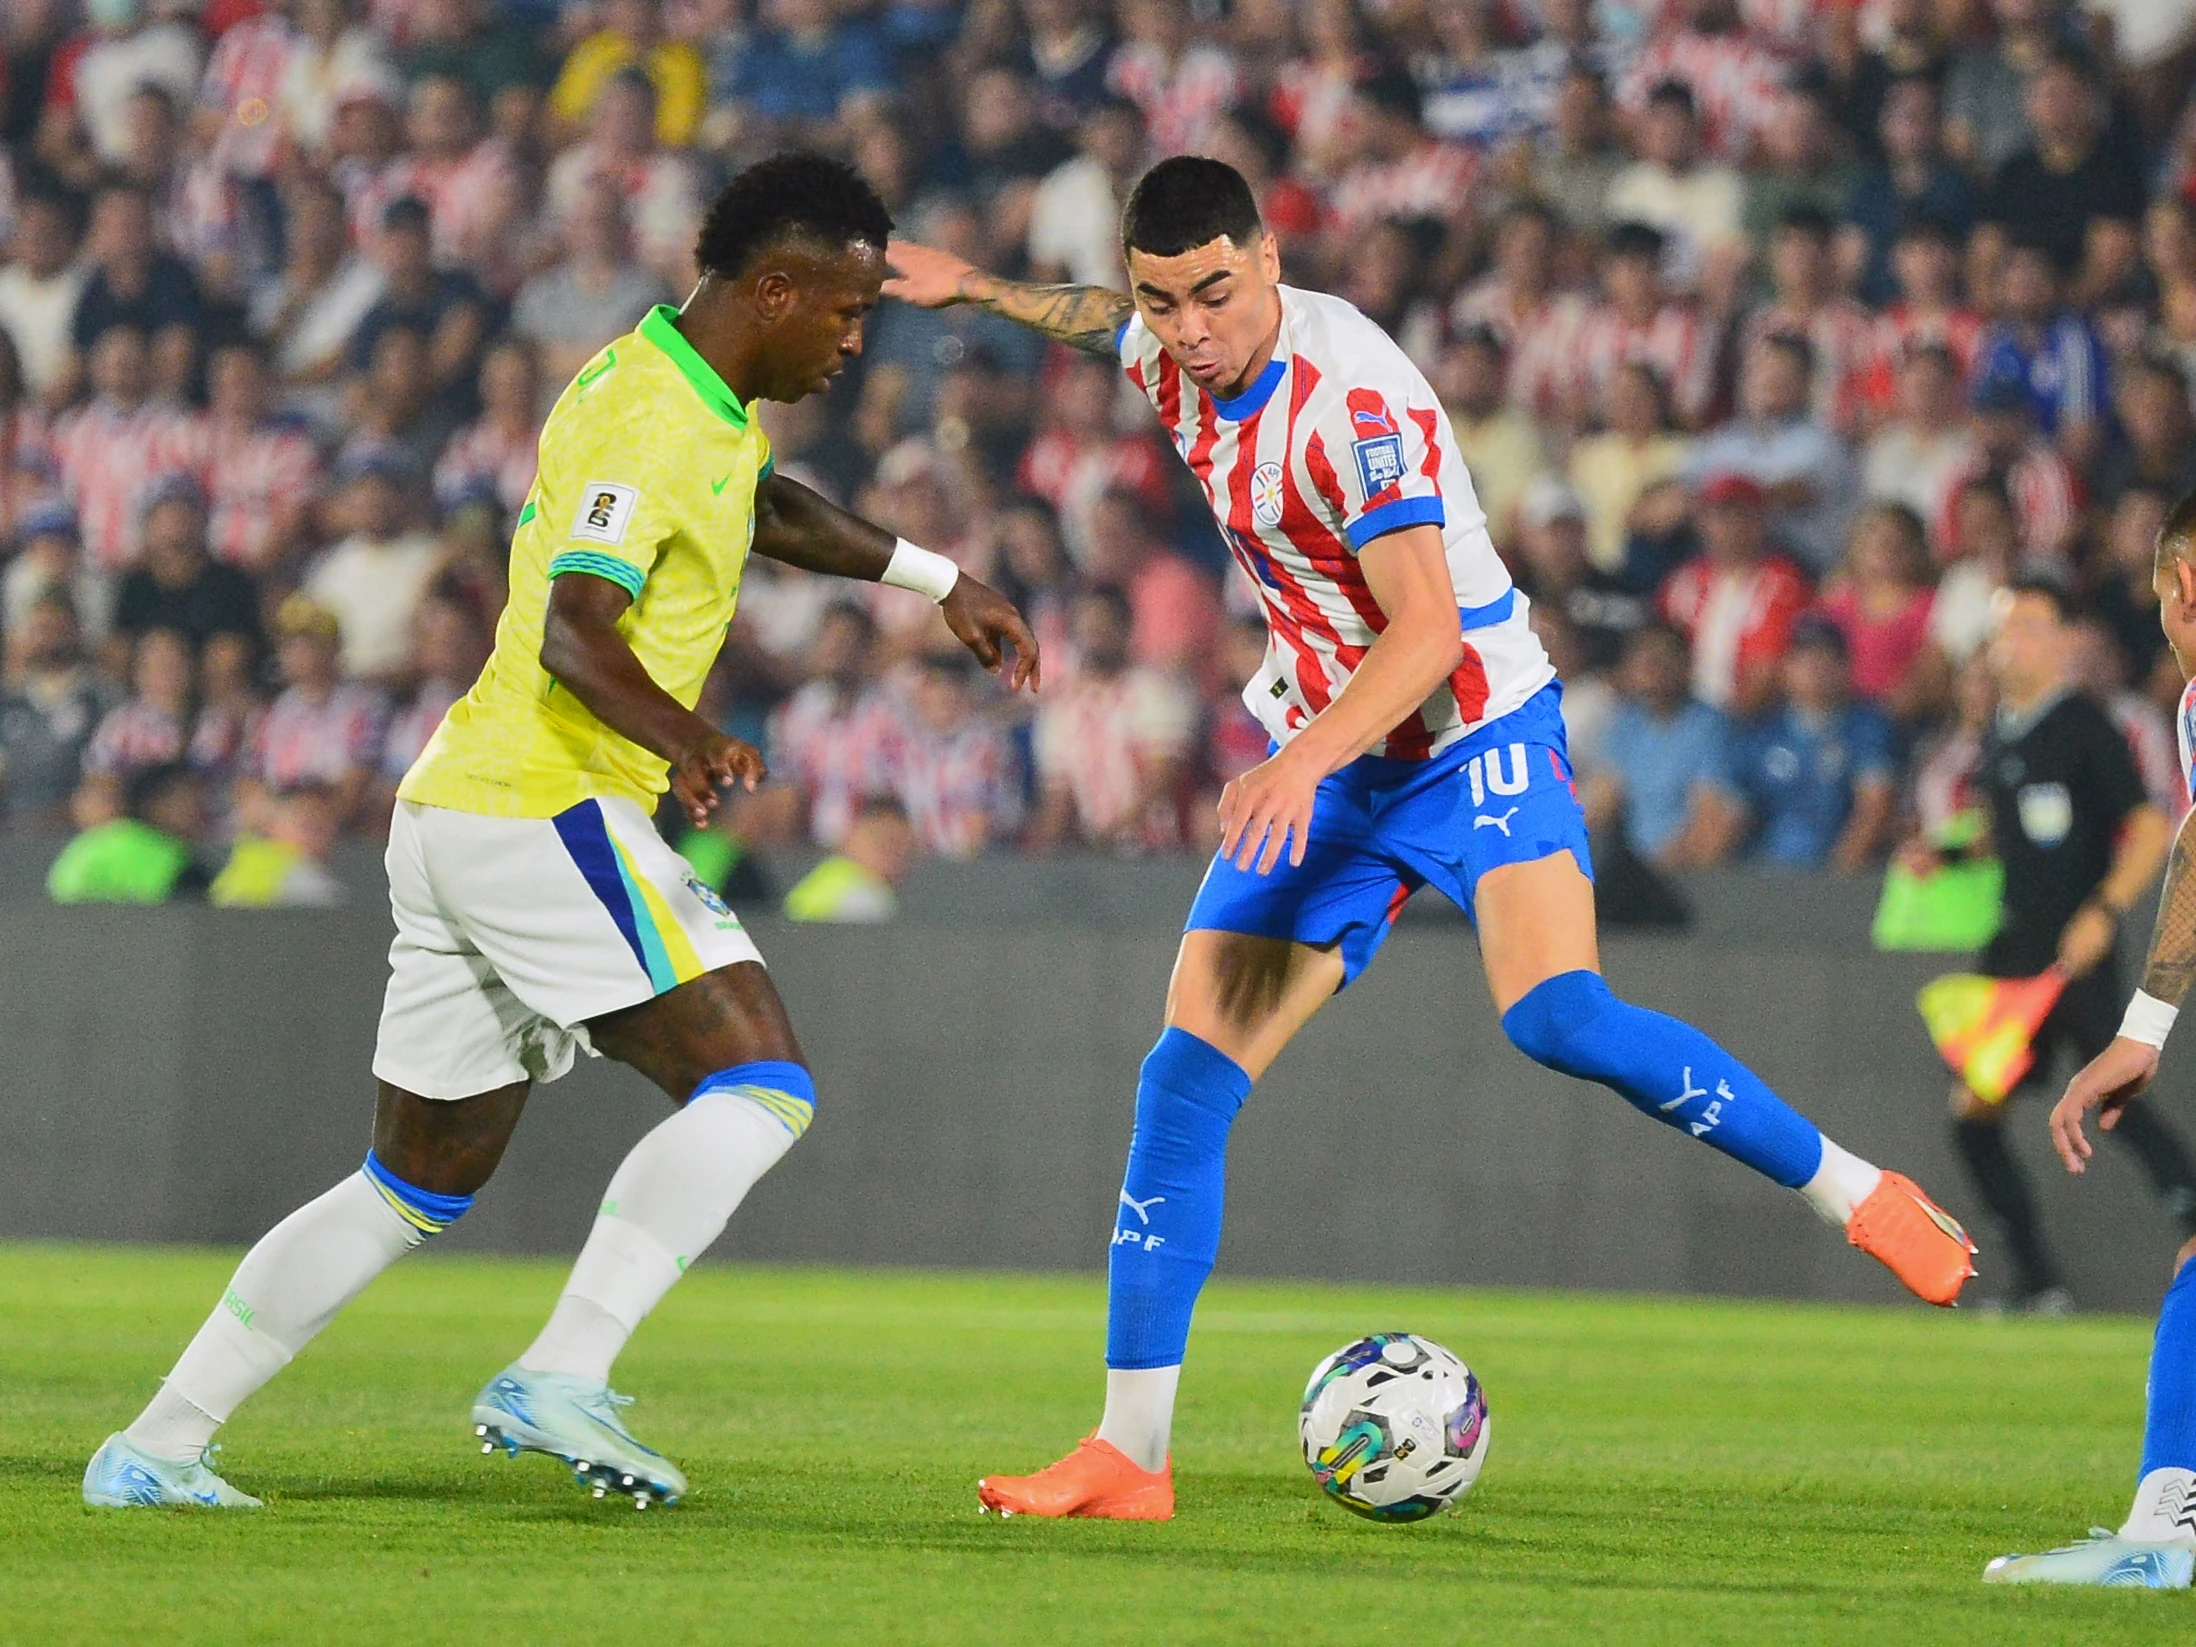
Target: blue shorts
<point>1381,829</point>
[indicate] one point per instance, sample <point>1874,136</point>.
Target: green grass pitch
<point>1662,1471</point>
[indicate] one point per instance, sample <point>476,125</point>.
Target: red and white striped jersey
<point>2046,494</point>
<point>1676,342</point>
<point>1340,440</point>
<point>1735,80</point>
<point>1845,339</point>
<point>243,84</point>
<point>254,479</point>
<point>108,457</point>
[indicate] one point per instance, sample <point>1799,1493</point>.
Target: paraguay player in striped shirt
<point>1417,741</point>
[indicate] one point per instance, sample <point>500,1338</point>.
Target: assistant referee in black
<point>2081,844</point>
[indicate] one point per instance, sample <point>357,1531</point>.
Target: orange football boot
<point>1914,1238</point>
<point>1096,1480</point>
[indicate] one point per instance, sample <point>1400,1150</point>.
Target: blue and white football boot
<point>2103,1558</point>
<point>119,1477</point>
<point>577,1421</point>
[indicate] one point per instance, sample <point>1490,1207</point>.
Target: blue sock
<point>2169,1432</point>
<point>424,1210</point>
<point>1166,1233</point>
<point>1665,1069</point>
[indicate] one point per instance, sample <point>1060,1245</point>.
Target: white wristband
<point>2149,1020</point>
<point>922,570</point>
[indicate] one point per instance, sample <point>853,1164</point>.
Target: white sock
<point>1840,1185</point>
<point>289,1286</point>
<point>2165,1508</point>
<point>671,1197</point>
<point>1140,1413</point>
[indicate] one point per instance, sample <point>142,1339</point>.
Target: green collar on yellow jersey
<point>716,395</point>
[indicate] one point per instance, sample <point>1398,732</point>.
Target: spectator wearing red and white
<point>374,577</point>
<point>366,147</point>
<point>1929,310</point>
<point>1080,454</point>
<point>111,449</point>
<point>1397,170</point>
<point>2002,441</point>
<point>2101,670</point>
<point>495,455</point>
<point>1311,96</point>
<point>958,777</point>
<point>1696,202</point>
<point>661,192</point>
<point>1805,471</point>
<point>153,725</point>
<point>322,729</point>
<point>1112,742</point>
<point>93,77</point>
<point>468,179</point>
<point>334,60</point>
<point>261,471</point>
<point>1736,603</point>
<point>1638,320</point>
<point>39,288</point>
<point>1517,300</point>
<point>241,93</point>
<point>1181,85</point>
<point>1734,77</point>
<point>1174,606</point>
<point>1919,451</point>
<point>835,743</point>
<point>1807,304</point>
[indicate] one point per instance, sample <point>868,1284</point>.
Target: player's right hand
<point>926,277</point>
<point>710,765</point>
<point>2105,1084</point>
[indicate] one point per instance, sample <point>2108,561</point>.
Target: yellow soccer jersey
<point>649,466</point>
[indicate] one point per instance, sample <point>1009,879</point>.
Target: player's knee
<point>1186,1083</point>
<point>782,1088</point>
<point>424,1210</point>
<point>1559,1023</point>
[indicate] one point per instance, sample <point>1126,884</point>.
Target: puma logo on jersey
<point>1487,820</point>
<point>1141,1208</point>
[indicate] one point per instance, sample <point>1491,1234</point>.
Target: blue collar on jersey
<point>716,394</point>
<point>1254,398</point>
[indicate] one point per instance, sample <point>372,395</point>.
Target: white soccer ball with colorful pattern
<point>1394,1427</point>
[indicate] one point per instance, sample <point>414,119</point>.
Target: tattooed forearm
<point>2172,965</point>
<point>1083,317</point>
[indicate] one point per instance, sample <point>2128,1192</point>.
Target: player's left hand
<point>2088,939</point>
<point>2105,1084</point>
<point>985,621</point>
<point>1267,808</point>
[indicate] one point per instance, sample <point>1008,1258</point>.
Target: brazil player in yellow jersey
<point>538,913</point>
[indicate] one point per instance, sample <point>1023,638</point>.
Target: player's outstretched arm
<point>583,651</point>
<point>2125,1068</point>
<point>1083,317</point>
<point>797,527</point>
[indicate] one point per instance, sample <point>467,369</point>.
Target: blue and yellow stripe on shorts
<point>657,940</point>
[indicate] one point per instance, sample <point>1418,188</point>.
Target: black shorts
<point>2084,1021</point>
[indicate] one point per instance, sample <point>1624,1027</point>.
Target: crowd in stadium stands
<point>1778,334</point>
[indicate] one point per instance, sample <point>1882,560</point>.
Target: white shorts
<point>512,932</point>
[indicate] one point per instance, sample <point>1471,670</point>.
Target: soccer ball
<point>1394,1427</point>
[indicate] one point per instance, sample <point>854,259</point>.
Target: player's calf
<point>1670,1071</point>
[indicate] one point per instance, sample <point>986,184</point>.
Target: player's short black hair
<point>789,196</point>
<point>2177,537</point>
<point>1186,202</point>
